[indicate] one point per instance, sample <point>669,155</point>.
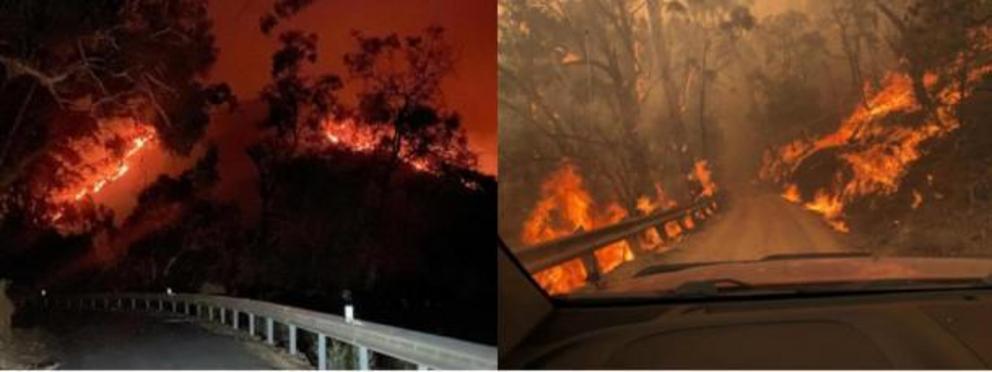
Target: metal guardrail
<point>426,351</point>
<point>584,245</point>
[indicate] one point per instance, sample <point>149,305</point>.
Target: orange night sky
<point>245,52</point>
<point>244,61</point>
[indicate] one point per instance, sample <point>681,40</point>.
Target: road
<point>754,224</point>
<point>101,340</point>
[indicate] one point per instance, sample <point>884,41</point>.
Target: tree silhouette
<point>399,82</point>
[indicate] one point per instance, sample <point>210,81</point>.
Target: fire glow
<point>875,153</point>
<point>566,208</point>
<point>102,166</point>
<point>350,135</point>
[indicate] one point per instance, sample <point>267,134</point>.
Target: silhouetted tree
<point>399,82</point>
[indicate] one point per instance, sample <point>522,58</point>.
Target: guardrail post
<point>161,305</point>
<point>363,358</point>
<point>592,267</point>
<point>269,330</point>
<point>292,339</point>
<point>234,318</point>
<point>251,324</point>
<point>635,243</point>
<point>186,306</point>
<point>223,315</point>
<point>321,351</point>
<point>210,312</point>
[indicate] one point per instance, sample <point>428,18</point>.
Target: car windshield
<point>646,145</point>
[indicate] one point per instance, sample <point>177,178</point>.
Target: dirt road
<point>753,224</point>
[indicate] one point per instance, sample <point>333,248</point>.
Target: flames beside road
<point>566,207</point>
<point>875,145</point>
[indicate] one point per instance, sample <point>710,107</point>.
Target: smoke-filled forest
<point>871,116</point>
<point>134,158</point>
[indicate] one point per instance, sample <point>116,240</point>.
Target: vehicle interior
<point>936,328</point>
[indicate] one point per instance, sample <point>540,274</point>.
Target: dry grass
<point>25,349</point>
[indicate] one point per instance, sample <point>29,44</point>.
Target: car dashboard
<point>942,329</point>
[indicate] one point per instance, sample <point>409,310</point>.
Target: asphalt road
<point>755,224</point>
<point>103,340</point>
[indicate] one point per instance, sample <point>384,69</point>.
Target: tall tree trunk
<point>671,92</point>
<point>703,150</point>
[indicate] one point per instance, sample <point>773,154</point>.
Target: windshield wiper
<point>673,267</point>
<point>794,256</point>
<point>924,283</point>
<point>720,287</point>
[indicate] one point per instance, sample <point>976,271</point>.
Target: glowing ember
<point>688,222</point>
<point>791,193</point>
<point>673,230</point>
<point>917,199</point>
<point>652,240</point>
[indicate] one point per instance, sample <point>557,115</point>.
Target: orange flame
<point>882,152</point>
<point>99,166</point>
<point>673,230</point>
<point>566,208</point>
<point>688,222</point>
<point>830,207</point>
<point>352,136</point>
<point>917,199</point>
<point>702,174</point>
<point>791,193</point>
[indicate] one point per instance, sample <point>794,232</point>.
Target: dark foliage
<point>66,65</point>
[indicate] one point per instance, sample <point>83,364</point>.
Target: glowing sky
<point>244,61</point>
<point>245,52</point>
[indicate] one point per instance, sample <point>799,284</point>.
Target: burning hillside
<point>82,167</point>
<point>875,146</point>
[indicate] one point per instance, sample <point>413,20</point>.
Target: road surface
<point>754,224</point>
<point>119,340</point>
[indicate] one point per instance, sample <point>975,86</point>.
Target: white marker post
<point>349,314</point>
